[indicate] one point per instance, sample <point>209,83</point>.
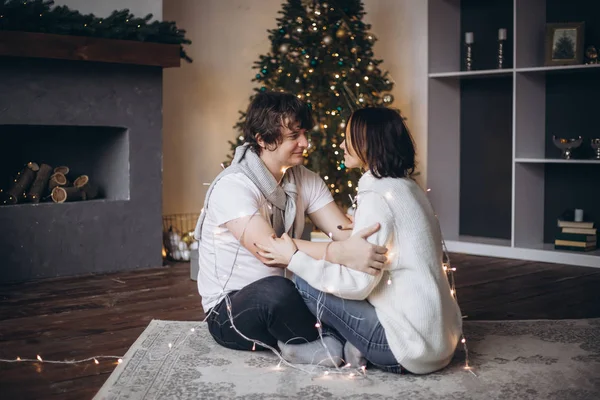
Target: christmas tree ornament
<point>388,98</point>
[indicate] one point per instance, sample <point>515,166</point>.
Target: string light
<point>39,359</point>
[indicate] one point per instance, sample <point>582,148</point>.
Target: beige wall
<point>401,29</point>
<point>201,100</point>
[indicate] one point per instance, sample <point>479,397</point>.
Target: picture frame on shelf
<point>564,43</point>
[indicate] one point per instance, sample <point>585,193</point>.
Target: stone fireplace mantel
<point>83,48</point>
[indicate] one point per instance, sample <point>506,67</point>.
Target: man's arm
<point>364,256</point>
<point>329,218</point>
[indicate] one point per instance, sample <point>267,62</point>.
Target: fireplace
<point>98,152</point>
<point>99,119</point>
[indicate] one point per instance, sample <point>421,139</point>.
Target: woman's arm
<point>335,278</point>
<point>362,255</point>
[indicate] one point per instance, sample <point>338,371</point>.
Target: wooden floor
<point>76,318</point>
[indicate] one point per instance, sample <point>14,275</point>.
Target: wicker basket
<point>178,236</point>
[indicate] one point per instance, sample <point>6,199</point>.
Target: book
<point>581,231</point>
<point>573,248</point>
<point>575,224</point>
<point>571,243</point>
<point>575,237</point>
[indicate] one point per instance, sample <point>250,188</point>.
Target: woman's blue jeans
<point>355,321</point>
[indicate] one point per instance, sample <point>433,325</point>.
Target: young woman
<point>404,317</point>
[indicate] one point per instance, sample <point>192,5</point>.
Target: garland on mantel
<point>41,16</point>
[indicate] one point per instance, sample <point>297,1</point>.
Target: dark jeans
<point>355,321</point>
<point>267,310</point>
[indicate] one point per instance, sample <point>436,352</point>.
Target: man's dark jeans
<point>267,310</point>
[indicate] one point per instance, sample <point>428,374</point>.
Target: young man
<point>265,192</point>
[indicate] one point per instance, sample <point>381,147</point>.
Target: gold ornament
<point>188,238</point>
<point>388,98</point>
<point>340,33</point>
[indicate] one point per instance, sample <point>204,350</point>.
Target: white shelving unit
<point>525,128</point>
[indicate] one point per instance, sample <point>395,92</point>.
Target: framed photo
<point>564,43</point>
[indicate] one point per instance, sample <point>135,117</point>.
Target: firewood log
<point>62,194</point>
<point>62,169</point>
<point>83,183</point>
<point>57,179</point>
<point>39,185</point>
<point>17,191</point>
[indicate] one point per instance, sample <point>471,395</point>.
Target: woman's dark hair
<point>382,141</point>
<point>268,112</point>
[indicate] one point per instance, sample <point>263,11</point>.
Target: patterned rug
<point>510,360</point>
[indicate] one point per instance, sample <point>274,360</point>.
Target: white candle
<point>578,215</point>
<point>469,38</point>
<point>501,34</point>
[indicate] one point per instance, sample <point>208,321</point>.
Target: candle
<point>502,34</point>
<point>469,38</point>
<point>578,215</point>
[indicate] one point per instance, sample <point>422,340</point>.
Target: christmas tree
<point>321,51</point>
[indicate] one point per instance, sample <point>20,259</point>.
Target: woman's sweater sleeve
<point>338,279</point>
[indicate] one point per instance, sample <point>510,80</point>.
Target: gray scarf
<point>283,198</point>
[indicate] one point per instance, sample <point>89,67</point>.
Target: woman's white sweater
<point>421,318</point>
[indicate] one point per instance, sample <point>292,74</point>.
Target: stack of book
<point>577,236</point>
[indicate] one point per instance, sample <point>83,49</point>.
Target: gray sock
<point>314,352</point>
<point>353,356</point>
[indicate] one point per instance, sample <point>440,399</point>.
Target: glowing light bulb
<point>120,360</point>
<point>389,281</point>
<point>317,325</point>
<point>96,361</point>
<point>326,372</point>
<point>18,358</point>
<point>463,340</point>
<point>253,346</point>
<point>170,345</point>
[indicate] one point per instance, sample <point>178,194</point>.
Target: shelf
<point>488,73</point>
<point>559,68</point>
<point>480,240</point>
<point>555,161</point>
<point>542,253</point>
